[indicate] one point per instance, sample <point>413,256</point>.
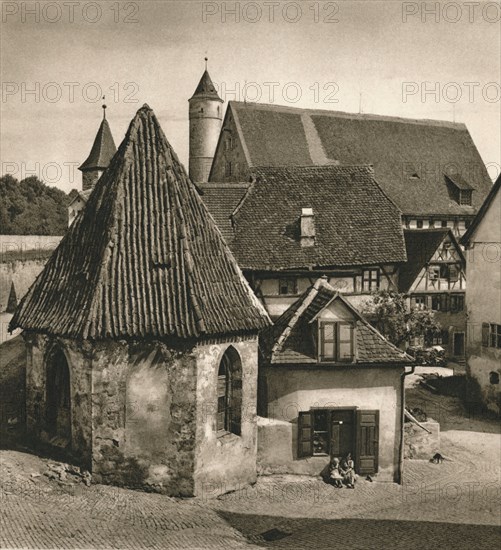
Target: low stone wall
<point>418,443</point>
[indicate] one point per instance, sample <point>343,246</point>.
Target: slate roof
<point>102,150</point>
<point>355,222</point>
<point>206,88</point>
<point>221,200</point>
<point>421,245</point>
<point>143,259</point>
<point>465,239</point>
<point>291,339</point>
<point>398,148</point>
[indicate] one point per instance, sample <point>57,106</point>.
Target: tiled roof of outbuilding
<point>102,150</point>
<point>291,339</point>
<point>398,148</point>
<point>355,222</point>
<point>144,259</point>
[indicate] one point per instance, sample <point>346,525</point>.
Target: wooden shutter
<point>367,442</point>
<point>304,434</point>
<point>485,334</point>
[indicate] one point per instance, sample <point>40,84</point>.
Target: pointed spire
<point>12,301</point>
<point>103,148</point>
<point>144,259</point>
<point>206,88</point>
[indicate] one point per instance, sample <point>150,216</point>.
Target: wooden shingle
<point>144,258</point>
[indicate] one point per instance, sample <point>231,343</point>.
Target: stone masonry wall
<point>225,462</point>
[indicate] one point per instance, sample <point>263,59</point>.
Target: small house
<point>329,384</point>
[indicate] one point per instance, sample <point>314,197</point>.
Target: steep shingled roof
<point>102,150</point>
<point>291,339</point>
<point>355,222</point>
<point>398,148</point>
<point>421,245</point>
<point>206,88</point>
<point>144,259</point>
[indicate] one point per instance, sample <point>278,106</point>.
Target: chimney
<point>307,227</point>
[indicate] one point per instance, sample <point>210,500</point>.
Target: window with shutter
<point>485,334</point>
<point>337,341</point>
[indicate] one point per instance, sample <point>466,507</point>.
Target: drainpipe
<point>402,420</point>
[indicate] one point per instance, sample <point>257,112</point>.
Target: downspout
<point>402,421</point>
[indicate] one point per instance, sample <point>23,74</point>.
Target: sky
<point>409,59</point>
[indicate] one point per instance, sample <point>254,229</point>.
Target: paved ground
<point>455,504</point>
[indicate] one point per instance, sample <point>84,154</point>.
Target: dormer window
<point>336,341</point>
<point>465,197</point>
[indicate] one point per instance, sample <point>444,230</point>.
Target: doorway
<point>459,344</point>
<point>58,398</point>
<point>342,433</point>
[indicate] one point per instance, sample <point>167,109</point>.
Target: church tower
<point>206,118</point>
<point>100,155</point>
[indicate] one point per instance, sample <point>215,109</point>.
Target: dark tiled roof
<point>144,259</point>
<point>465,239</point>
<point>102,150</point>
<point>355,222</point>
<point>398,148</point>
<point>421,245</point>
<point>221,200</point>
<point>291,339</point>
<point>459,182</point>
<point>206,88</point>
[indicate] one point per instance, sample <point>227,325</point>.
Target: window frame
<point>336,342</point>
<point>465,197</point>
<point>287,280</point>
<point>367,281</point>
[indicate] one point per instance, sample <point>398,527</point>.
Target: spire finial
<point>104,108</point>
<point>206,59</point>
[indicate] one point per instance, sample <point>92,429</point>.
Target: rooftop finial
<point>206,59</point>
<point>104,107</point>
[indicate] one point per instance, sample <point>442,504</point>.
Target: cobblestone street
<point>455,504</point>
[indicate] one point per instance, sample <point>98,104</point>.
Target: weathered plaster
<point>224,462</point>
<point>294,389</point>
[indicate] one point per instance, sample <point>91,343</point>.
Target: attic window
<point>465,197</point>
<point>414,176</point>
<point>336,342</point>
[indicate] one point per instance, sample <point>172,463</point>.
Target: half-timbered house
<point>289,226</point>
<point>434,277</point>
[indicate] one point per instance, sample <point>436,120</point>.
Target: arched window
<point>229,393</point>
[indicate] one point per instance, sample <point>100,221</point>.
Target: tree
<point>388,312</point>
<point>29,207</point>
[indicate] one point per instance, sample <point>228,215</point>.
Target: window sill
<point>226,437</point>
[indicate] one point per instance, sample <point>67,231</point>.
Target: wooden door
<point>342,433</point>
<point>366,458</point>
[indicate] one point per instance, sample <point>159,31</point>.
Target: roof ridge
<point>347,114</point>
